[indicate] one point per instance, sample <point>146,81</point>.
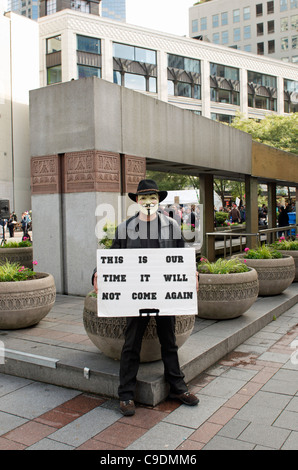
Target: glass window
<point>139,54</point>
<point>203,23</point>
<point>152,85</point>
<point>259,9</point>
<point>195,26</point>
<point>295,59</point>
<point>270,27</point>
<point>54,44</point>
<point>261,79</point>
<point>224,37</point>
<point>283,5</point>
<point>236,16</point>
<point>51,7</point>
<point>260,29</point>
<point>291,86</point>
<point>246,13</point>
<point>230,73</point>
<point>215,38</point>
<point>215,21</point>
<point>184,63</point>
<point>171,88</point>
<point>87,71</point>
<point>54,74</point>
<point>270,7</point>
<point>117,77</point>
<point>284,44</point>
<point>237,34</point>
<point>224,18</point>
<point>135,82</point>
<point>184,89</point>
<point>284,24</point>
<point>246,32</point>
<point>293,4</point>
<point>247,48</point>
<point>145,55</point>
<point>260,48</point>
<point>80,5</point>
<point>87,44</point>
<point>294,42</point>
<point>294,22</point>
<point>271,47</point>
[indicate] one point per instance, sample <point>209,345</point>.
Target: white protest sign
<point>136,282</point>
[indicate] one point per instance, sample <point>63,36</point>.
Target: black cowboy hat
<point>148,187</point>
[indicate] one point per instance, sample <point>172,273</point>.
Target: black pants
<point>130,357</point>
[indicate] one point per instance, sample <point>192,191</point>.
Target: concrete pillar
<point>251,202</point>
<point>271,210</point>
<point>207,200</point>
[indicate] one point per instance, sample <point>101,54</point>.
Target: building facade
<point>209,79</point>
<point>19,47</point>
<point>262,27</point>
<point>114,9</point>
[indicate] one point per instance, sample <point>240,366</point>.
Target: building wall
<point>201,25</point>
<point>19,63</point>
<point>68,24</point>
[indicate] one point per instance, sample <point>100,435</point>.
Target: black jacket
<point>126,235</point>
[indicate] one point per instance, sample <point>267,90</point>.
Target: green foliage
<point>173,182</point>
<point>107,239</point>
<point>274,130</point>
<point>10,272</point>
<point>283,244</point>
<point>221,218</point>
<point>222,266</point>
<point>24,243</point>
<point>263,252</point>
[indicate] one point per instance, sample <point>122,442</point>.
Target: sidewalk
<point>248,398</point>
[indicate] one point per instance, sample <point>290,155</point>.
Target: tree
<point>274,130</point>
<point>172,181</point>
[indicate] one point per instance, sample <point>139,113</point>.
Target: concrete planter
<point>274,275</point>
<point>21,255</point>
<point>226,296</point>
<point>107,333</point>
<point>294,254</point>
<point>25,303</point>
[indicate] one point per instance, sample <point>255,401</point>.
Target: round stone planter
<point>107,333</point>
<point>294,254</point>
<point>274,275</point>
<point>226,296</point>
<point>25,303</point>
<point>21,255</point>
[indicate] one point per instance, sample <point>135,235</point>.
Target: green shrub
<point>222,266</point>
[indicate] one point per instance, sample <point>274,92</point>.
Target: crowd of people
<point>184,214</point>
<point>12,224</point>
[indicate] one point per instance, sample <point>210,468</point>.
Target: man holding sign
<point>149,229</point>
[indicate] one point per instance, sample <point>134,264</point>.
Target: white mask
<point>148,203</point>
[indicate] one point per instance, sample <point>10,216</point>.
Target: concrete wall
<point>93,113</point>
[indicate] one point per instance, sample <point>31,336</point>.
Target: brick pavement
<point>248,400</point>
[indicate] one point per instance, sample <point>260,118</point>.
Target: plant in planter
<point>107,333</point>
<point>26,296</point>
<point>227,288</point>
<point>288,247</point>
<point>17,252</point>
<point>275,271</point>
<point>109,232</point>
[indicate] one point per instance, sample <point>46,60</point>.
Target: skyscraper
<point>114,9</point>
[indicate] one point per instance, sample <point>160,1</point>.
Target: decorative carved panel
<point>133,170</point>
<point>45,177</point>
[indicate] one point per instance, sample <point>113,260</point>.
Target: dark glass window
<point>88,44</point>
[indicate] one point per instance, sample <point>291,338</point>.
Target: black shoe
<point>187,398</point>
<point>127,407</point>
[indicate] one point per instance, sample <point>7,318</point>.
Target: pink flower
<point>246,249</point>
<point>282,238</point>
<point>34,262</point>
<point>244,260</point>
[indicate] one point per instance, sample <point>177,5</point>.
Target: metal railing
<point>268,235</point>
